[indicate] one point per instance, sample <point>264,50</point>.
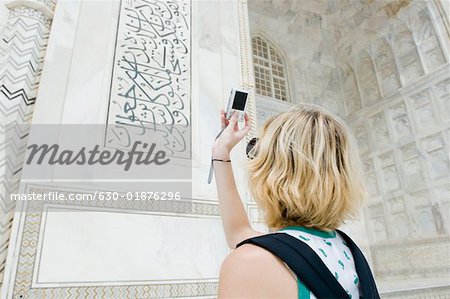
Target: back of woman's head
<point>306,169</point>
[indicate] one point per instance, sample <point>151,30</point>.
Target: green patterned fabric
<point>315,232</point>
<point>335,254</point>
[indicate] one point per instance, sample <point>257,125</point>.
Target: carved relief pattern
<point>426,38</point>
<point>331,99</point>
<point>390,174</point>
<point>400,121</point>
<point>427,219</point>
<point>443,197</point>
<point>352,96</point>
<point>411,200</point>
<point>150,80</point>
<point>423,110</point>
<point>406,53</point>
<point>407,257</point>
<point>396,204</point>
<point>367,79</point>
<point>442,92</point>
<point>377,222</point>
<point>412,166</point>
<point>406,155</point>
<point>380,130</point>
<point>371,177</point>
<point>401,227</point>
<point>413,211</point>
<point>436,155</point>
<point>362,137</point>
<point>386,68</point>
<point>421,199</point>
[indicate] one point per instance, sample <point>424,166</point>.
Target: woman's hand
<point>230,136</point>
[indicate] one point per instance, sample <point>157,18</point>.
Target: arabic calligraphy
<point>150,80</point>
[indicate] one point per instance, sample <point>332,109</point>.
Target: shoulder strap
<point>368,286</point>
<point>308,266</point>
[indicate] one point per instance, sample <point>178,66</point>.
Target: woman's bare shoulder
<point>253,272</point>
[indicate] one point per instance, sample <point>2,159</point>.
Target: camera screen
<point>239,100</point>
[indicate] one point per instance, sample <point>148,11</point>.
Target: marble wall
<point>384,67</point>
<point>97,70</point>
<point>4,12</point>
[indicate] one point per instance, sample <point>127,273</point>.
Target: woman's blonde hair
<point>306,169</point>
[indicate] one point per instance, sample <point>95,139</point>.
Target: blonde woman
<point>305,175</point>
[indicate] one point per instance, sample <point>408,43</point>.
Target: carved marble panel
<point>352,97</point>
<point>421,199</point>
<point>379,130</point>
<point>400,121</point>
<point>411,165</point>
<point>425,35</point>
<point>367,79</point>
<point>396,204</point>
<point>376,210</point>
<point>371,177</point>
<point>362,137</point>
<point>331,99</point>
<point>405,259</point>
<point>372,184</point>
<point>426,219</point>
<point>442,92</point>
<point>401,226</point>
<point>423,110</point>
<point>436,155</point>
<point>391,179</point>
<point>151,78</point>
<point>443,197</point>
<point>376,222</point>
<point>386,67</point>
<point>405,50</point>
<point>379,229</point>
<point>432,53</point>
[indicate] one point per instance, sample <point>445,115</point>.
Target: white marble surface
<point>111,247</point>
<point>215,63</point>
<point>4,12</point>
<point>95,245</point>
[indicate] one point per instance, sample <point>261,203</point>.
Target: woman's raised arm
<point>235,222</point>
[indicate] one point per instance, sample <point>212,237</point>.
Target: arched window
<point>270,70</point>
